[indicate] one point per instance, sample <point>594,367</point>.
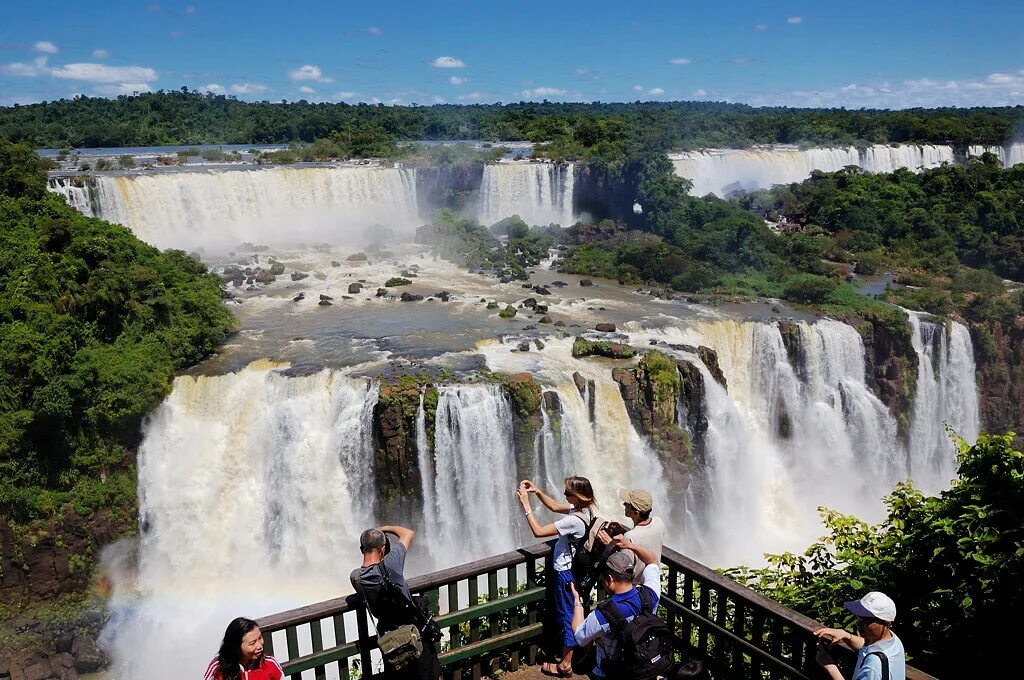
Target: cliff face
<point>396,457</point>
<point>454,187</point>
<point>890,366</point>
<point>999,362</point>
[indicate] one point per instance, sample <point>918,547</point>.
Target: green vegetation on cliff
<point>953,563</point>
<point>93,324</point>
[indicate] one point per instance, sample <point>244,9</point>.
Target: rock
<point>408,274</point>
<point>277,268</point>
<point>298,276</point>
<point>581,384</point>
<point>527,285</point>
<point>559,323</point>
<point>552,402</point>
<point>541,309</point>
<point>397,281</point>
<point>524,346</point>
<point>530,302</point>
<point>483,299</point>
<point>586,282</point>
<point>300,297</point>
<point>539,343</point>
<point>505,279</point>
<point>264,276</point>
<point>335,263</point>
<point>710,359</point>
<point>356,257</point>
<point>604,348</point>
<point>508,312</point>
<point>444,296</point>
<point>325,303</point>
<point>325,297</point>
<point>559,284</point>
<point>381,292</point>
<point>541,290</point>
<point>492,304</point>
<point>410,297</point>
<point>354,288</point>
<point>530,327</point>
<point>545,319</point>
<point>653,342</point>
<point>89,658</point>
<point>346,297</point>
<point>605,327</point>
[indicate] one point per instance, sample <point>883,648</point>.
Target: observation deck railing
<point>494,610</point>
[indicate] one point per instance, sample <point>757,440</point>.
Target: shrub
<point>809,288</point>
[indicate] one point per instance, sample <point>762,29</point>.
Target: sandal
<point>548,668</point>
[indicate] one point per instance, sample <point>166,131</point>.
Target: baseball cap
<point>875,605</point>
<point>638,498</point>
<point>621,562</point>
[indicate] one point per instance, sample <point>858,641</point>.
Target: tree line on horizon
<point>189,117</point>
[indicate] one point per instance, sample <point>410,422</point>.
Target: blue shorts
<point>564,604</point>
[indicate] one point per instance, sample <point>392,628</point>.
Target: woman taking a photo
<point>571,530</point>
<point>241,655</point>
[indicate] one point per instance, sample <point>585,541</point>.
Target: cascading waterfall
<point>547,453</point>
<point>1009,155</point>
<point>723,171</point>
<point>540,193</point>
<point>245,480</point>
<point>945,393</point>
<point>222,208</point>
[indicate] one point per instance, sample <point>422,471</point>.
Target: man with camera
<point>880,654</point>
<point>406,635</point>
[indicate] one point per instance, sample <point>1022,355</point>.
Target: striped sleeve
<point>212,670</point>
<point>275,670</point>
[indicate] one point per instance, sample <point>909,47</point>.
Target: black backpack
<point>587,553</point>
<point>646,644</point>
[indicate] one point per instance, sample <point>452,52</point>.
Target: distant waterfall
<point>724,171</point>
<point>946,393</point>
<point>1009,155</point>
<point>219,209</point>
<point>540,193</point>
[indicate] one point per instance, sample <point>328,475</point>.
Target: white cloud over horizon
<point>46,47</point>
<point>214,88</point>
<point>309,72</point>
<point>654,91</point>
<point>249,88</point>
<point>544,92</point>
<point>458,80</point>
<point>38,67</point>
<point>306,89</point>
<point>471,97</point>
<point>101,73</point>
<point>122,88</point>
<point>448,62</point>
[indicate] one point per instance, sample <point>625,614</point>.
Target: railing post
<point>454,634</point>
<point>516,618</point>
<point>363,628</point>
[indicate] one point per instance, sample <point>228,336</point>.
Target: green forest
<point>93,325</point>
<point>183,117</point>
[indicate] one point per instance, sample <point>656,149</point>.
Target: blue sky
<point>891,54</point>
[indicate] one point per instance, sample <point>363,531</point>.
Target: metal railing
<point>493,613</point>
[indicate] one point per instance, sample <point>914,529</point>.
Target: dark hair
<point>230,654</point>
<point>689,670</point>
<point>581,488</point>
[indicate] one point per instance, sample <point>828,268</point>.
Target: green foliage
<point>397,281</point>
<point>953,563</point>
<point>93,324</point>
<point>602,348</point>
<point>126,161</point>
<point>809,288</point>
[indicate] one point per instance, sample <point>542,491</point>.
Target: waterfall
<point>1009,155</point>
<point>245,481</point>
<point>724,171</point>
<point>475,473</point>
<point>540,193</point>
<point>945,393</point>
<point>219,209</point>
<point>548,469</point>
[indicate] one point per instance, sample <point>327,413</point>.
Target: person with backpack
<point>631,641</point>
<point>572,531</point>
<point>381,582</point>
<point>880,654</point>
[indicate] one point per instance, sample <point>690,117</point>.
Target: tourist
<point>878,648</point>
<point>241,655</point>
<point>571,531</point>
<point>381,581</point>
<point>647,531</point>
<point>627,600</point>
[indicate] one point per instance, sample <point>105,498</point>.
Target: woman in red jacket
<point>241,655</point>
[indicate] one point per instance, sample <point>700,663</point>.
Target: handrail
<point>738,631</point>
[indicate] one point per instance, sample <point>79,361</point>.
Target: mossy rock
<point>492,305</point>
<point>508,312</point>
<point>397,281</point>
<point>582,347</point>
<point>356,257</point>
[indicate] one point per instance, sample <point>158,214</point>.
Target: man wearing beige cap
<point>880,654</point>
<point>647,531</point>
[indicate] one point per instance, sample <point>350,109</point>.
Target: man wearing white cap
<point>647,531</point>
<point>880,654</point>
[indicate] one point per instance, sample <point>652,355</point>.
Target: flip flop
<point>552,669</point>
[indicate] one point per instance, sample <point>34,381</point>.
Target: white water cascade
<point>1009,154</point>
<point>219,209</point>
<point>945,393</point>
<point>540,193</point>
<point>724,171</point>
<point>245,481</point>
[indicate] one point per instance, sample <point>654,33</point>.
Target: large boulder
<point>354,288</point>
<point>582,347</point>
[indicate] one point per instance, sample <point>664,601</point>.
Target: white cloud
<point>248,88</point>
<point>458,80</point>
<point>345,95</point>
<point>760,27</point>
<point>435,99</point>
<point>700,93</point>
<point>680,61</point>
<point>122,88</point>
<point>471,97</point>
<point>638,88</point>
<point>46,47</point>
<point>306,89</point>
<point>100,54</point>
<point>37,68</point>
<point>794,20</point>
<point>543,92</point>
<point>215,88</point>
<point>655,91</point>
<point>309,72</point>
<point>448,62</point>
<point>373,30</point>
<point>101,73</point>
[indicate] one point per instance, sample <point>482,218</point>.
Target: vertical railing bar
<point>515,616</point>
<point>705,605</point>
<point>363,629</point>
<point>474,624</point>
<point>316,636</point>
<point>454,633</point>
